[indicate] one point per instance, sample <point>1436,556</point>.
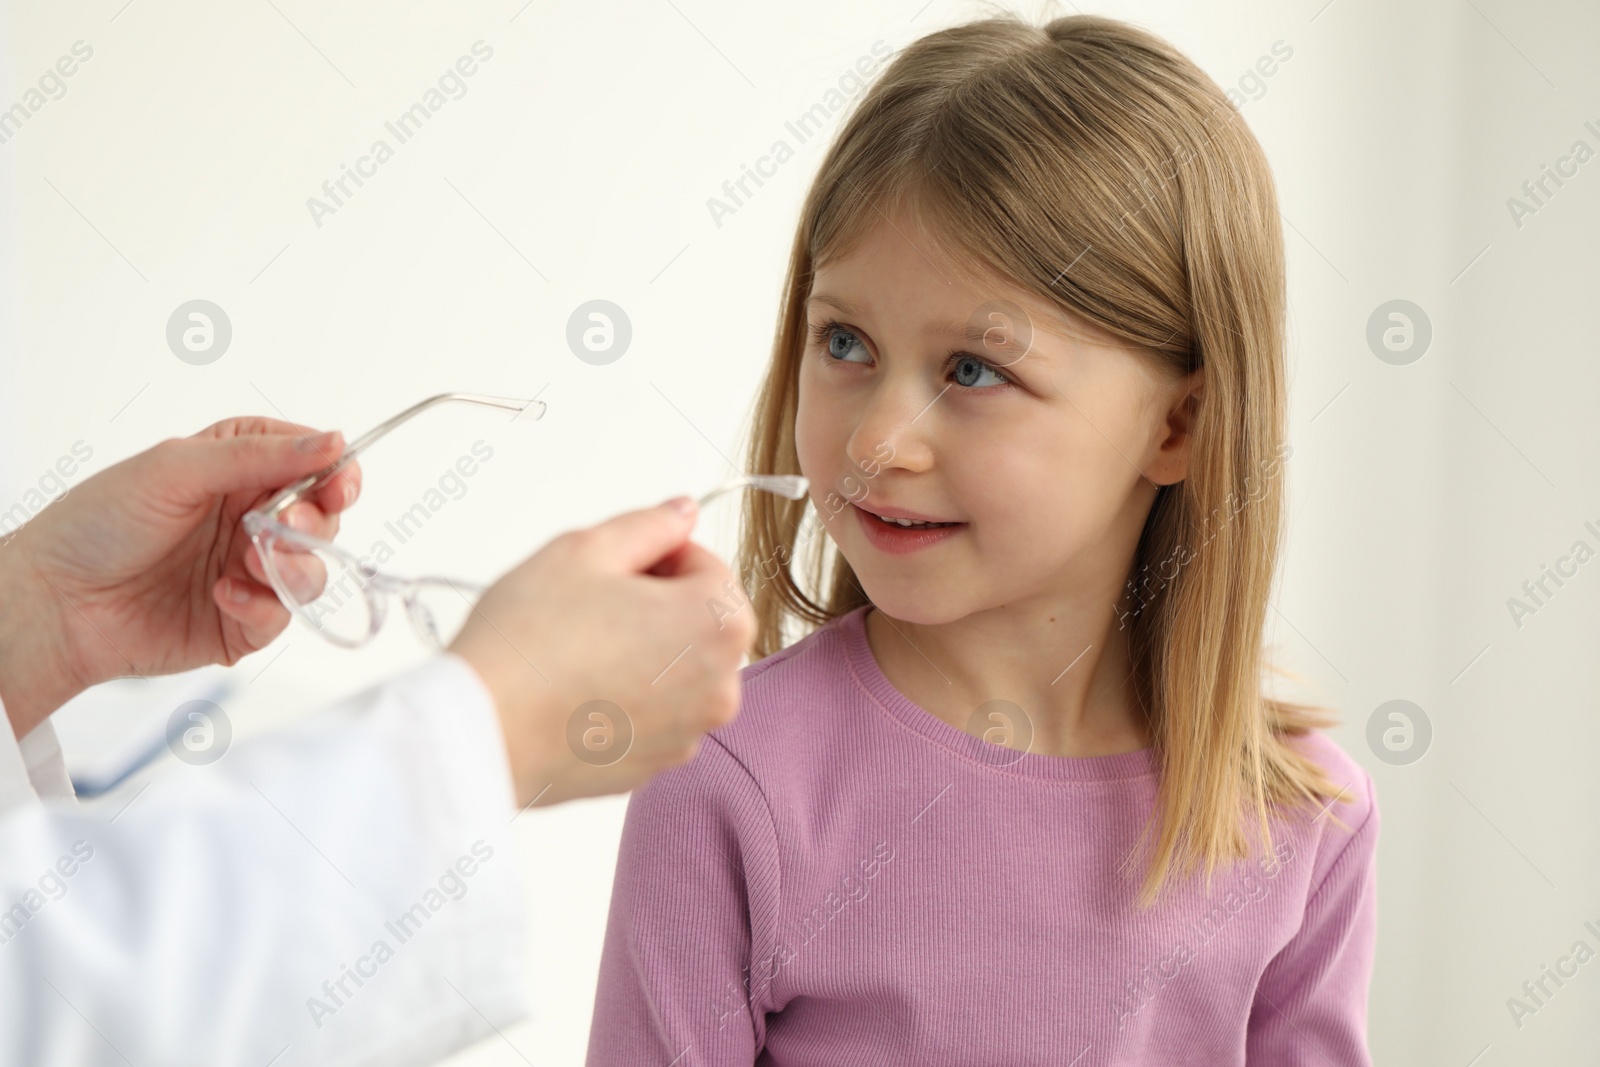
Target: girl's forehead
<point>906,263</point>
<point>970,317</point>
<point>969,330</point>
<point>896,263</point>
<point>903,272</point>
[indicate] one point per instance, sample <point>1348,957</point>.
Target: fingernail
<point>682,505</point>
<point>349,493</point>
<point>238,593</point>
<point>320,443</point>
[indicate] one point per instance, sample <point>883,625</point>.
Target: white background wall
<point>577,166</point>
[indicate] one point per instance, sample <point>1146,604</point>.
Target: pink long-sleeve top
<point>839,877</point>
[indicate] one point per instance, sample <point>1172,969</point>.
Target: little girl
<point>1020,796</point>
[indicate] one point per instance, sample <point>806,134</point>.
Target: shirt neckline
<point>869,676</point>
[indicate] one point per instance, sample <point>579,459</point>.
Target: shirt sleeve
<point>689,954</point>
<point>340,892</point>
<point>32,768</point>
<point>1310,1006</point>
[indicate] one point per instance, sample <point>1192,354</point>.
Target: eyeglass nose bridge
<point>378,588</point>
<point>422,620</point>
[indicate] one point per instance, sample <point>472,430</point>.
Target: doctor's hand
<point>144,569</point>
<point>618,613</point>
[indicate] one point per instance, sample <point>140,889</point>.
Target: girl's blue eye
<point>840,342</point>
<point>843,346</point>
<point>974,373</point>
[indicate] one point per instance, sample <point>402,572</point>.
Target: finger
<point>253,425</point>
<point>303,517</point>
<point>637,540</point>
<point>254,607</point>
<point>254,567</point>
<point>304,574</point>
<point>668,565</point>
<point>312,520</point>
<point>690,560</point>
<point>199,468</point>
<point>342,489</point>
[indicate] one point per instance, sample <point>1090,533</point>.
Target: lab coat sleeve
<point>340,892</point>
<point>32,768</point>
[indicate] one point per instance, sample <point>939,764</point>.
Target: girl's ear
<point>1171,462</point>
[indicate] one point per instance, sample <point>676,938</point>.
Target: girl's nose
<point>892,431</point>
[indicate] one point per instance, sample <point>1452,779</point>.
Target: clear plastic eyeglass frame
<point>301,568</point>
<point>792,486</point>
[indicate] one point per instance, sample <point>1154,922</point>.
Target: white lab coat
<point>340,892</point>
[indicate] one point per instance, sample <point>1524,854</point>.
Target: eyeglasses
<point>792,486</point>
<point>346,599</point>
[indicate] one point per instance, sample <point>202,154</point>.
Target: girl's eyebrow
<point>843,305</point>
<point>972,333</point>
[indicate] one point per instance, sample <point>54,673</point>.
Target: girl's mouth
<point>899,536</point>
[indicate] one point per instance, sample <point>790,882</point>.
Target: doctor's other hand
<point>144,569</point>
<point>616,613</point>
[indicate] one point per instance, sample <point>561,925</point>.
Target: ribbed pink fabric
<point>840,877</point>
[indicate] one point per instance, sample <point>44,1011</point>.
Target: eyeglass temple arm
<point>289,494</point>
<point>792,486</point>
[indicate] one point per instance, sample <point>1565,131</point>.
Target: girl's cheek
<point>820,436</point>
<point>1000,475</point>
<point>806,448</point>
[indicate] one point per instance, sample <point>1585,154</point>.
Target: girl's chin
<point>919,605</point>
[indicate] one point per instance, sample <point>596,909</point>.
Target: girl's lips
<point>899,540</point>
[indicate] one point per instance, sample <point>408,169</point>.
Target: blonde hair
<point>1091,145</point>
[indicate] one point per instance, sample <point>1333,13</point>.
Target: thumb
<point>205,467</point>
<point>635,541</point>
